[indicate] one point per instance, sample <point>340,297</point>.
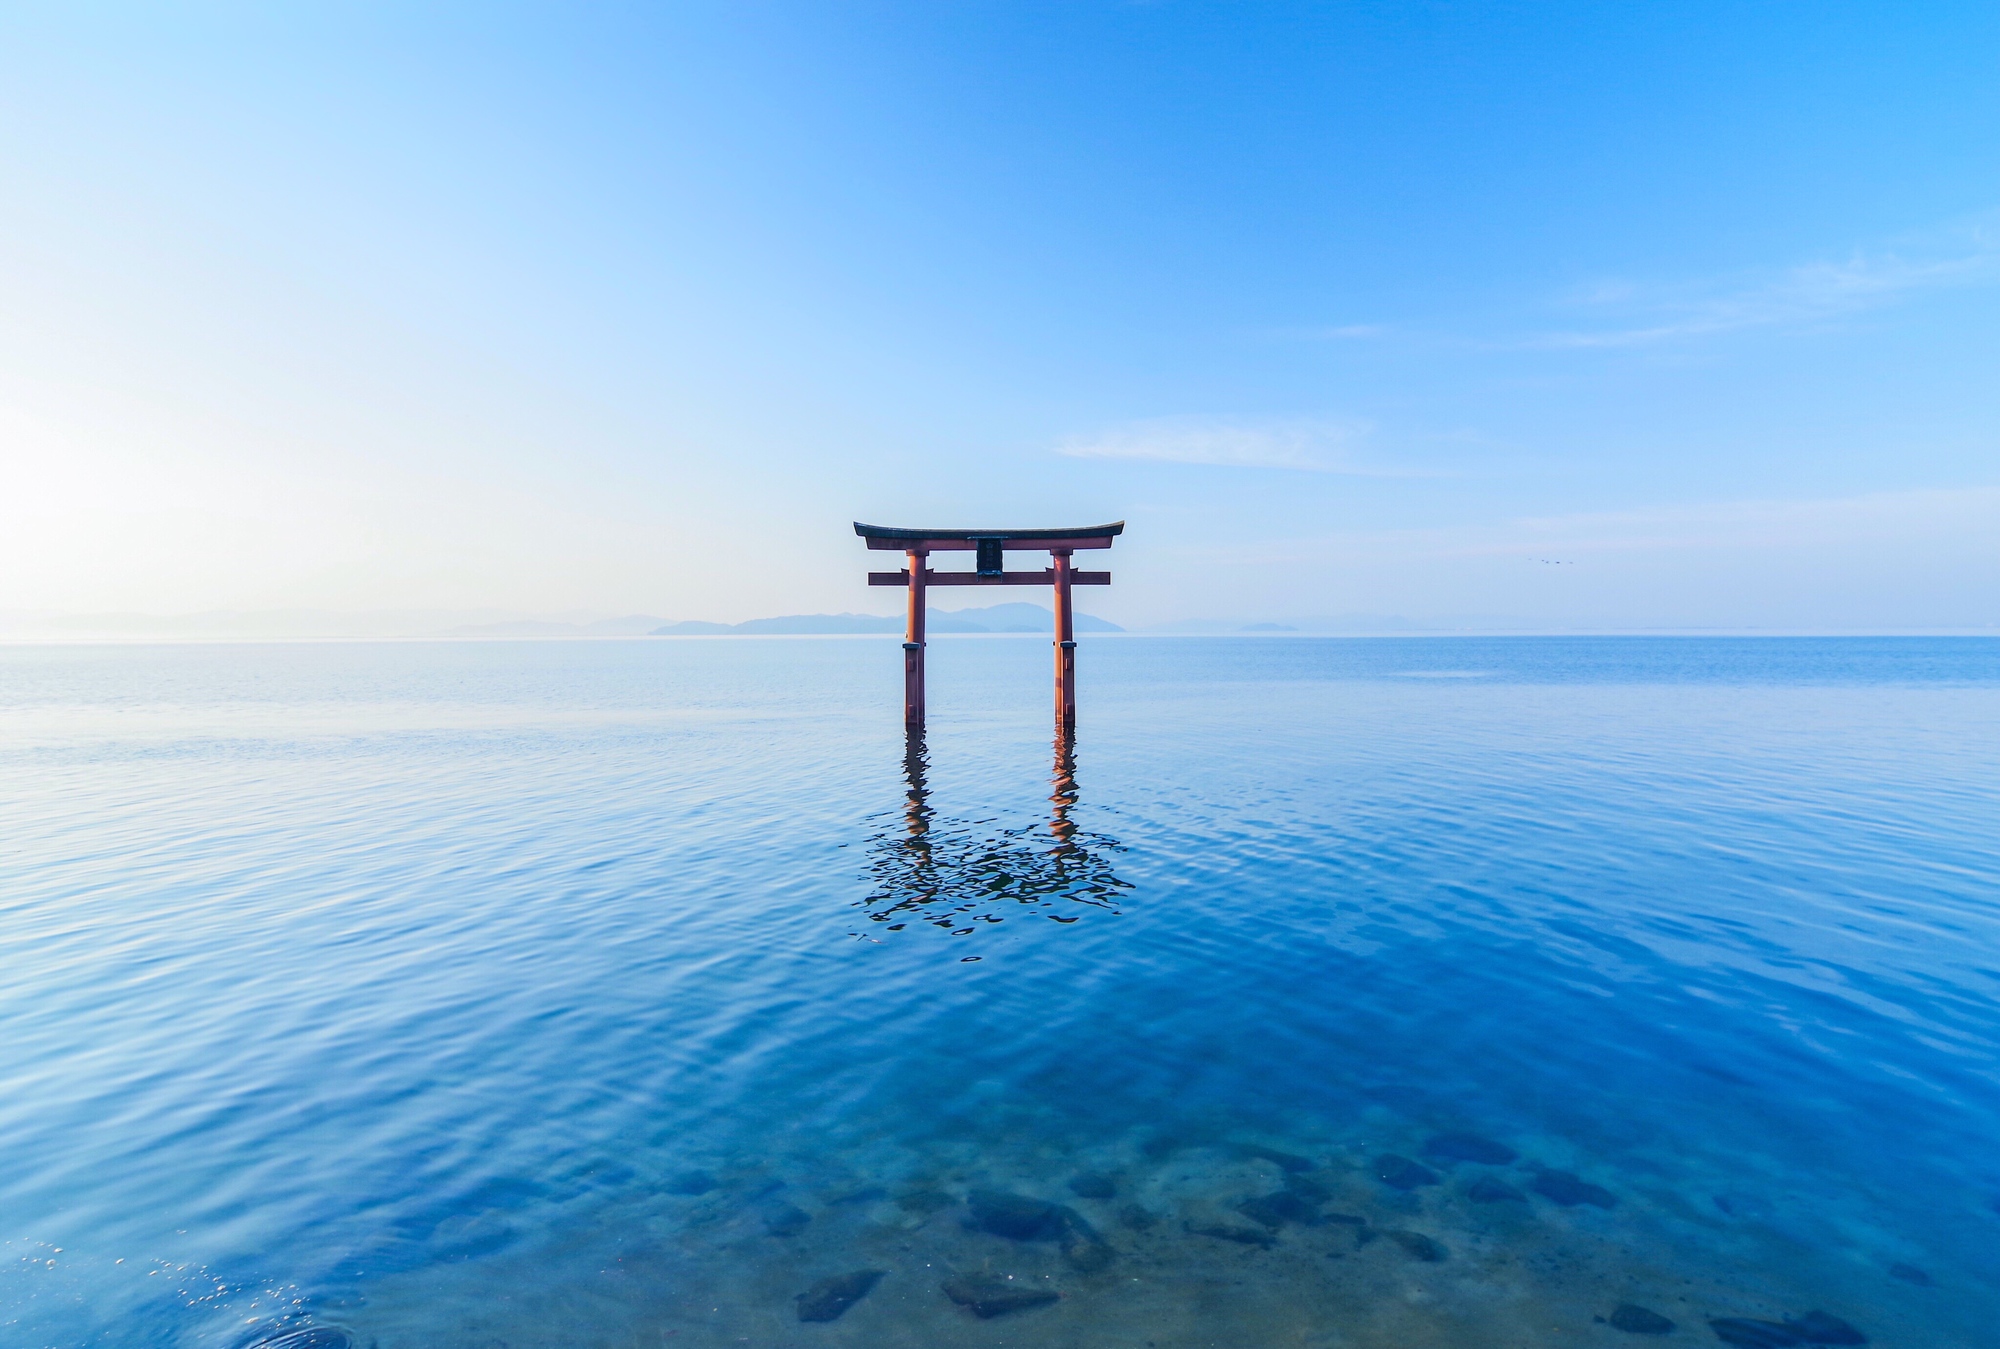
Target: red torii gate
<point>989,545</point>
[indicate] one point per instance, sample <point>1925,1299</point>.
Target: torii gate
<point>989,545</point>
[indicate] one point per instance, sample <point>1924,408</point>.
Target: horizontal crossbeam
<point>973,578</point>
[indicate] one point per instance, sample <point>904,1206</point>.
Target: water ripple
<point>485,993</point>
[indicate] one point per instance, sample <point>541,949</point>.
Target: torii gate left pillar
<point>989,547</point>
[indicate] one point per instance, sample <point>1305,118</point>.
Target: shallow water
<point>615,993</point>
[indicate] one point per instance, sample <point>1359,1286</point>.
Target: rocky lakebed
<point>1177,1239</point>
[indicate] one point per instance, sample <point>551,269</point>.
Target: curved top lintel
<point>1004,535</point>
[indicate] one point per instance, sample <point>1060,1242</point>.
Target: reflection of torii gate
<point>988,545</point>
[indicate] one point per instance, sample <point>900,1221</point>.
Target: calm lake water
<point>1335,993</point>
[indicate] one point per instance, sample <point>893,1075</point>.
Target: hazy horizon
<point>510,625</point>
<point>1586,317</point>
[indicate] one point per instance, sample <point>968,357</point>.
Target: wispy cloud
<point>1308,446</point>
<point>1885,561</point>
<point>1800,296</point>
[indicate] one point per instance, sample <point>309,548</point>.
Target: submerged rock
<point>1403,1174</point>
<point>309,1337</point>
<point>1493,1190</point>
<point>1275,1210</point>
<point>784,1219</point>
<point>1309,1187</point>
<point>1748,1334</point>
<point>828,1298</point>
<point>1743,1205</point>
<point>1417,1244</point>
<point>990,1295</point>
<point>924,1201</point>
<point>1092,1185</point>
<point>1823,1328</point>
<point>867,1194</point>
<point>1636,1320</point>
<point>1288,1161</point>
<point>690,1183</point>
<point>1082,1248</point>
<point>1238,1232</point>
<point>1569,1190</point>
<point>1137,1217</point>
<point>1468,1148</point>
<point>1909,1274</point>
<point>1086,1255</point>
<point>1075,1224</point>
<point>1016,1216</point>
<point>1021,1218</point>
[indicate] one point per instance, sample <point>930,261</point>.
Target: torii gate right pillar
<point>1065,642</point>
<point>913,644</point>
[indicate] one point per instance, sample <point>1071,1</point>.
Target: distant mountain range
<point>993,618</point>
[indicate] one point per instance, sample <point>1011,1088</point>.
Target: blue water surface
<point>613,993</point>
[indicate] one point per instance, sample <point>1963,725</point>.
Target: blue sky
<point>1597,315</point>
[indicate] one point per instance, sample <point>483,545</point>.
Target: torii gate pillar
<point>1065,640</point>
<point>913,642</point>
<point>989,547</point>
